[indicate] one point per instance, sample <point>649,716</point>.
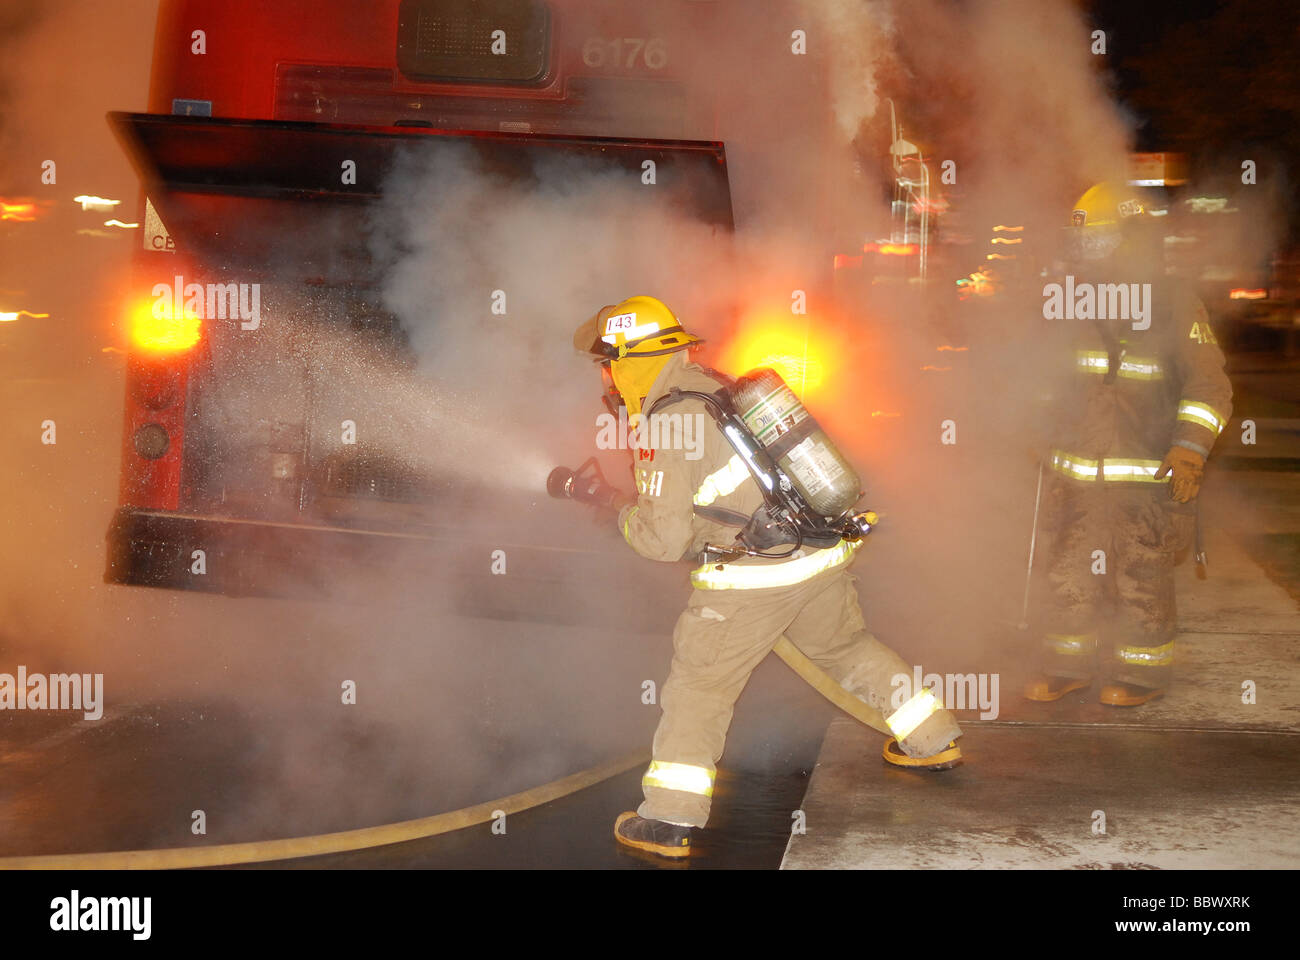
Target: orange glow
<point>953,349</point>
<point>881,413</point>
<point>890,249</point>
<point>1000,227</point>
<point>1241,293</point>
<point>24,212</point>
<point>844,260</point>
<point>930,366</point>
<point>118,223</point>
<point>792,346</point>
<point>155,328</point>
<point>11,317</point>
<point>799,372</point>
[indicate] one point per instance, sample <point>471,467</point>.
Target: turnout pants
<point>718,641</point>
<point>1110,605</point>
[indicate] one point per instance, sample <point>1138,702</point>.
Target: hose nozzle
<point>586,484</point>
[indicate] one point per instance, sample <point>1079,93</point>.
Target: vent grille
<point>453,40</point>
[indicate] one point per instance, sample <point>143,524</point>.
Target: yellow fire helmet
<point>1100,219</point>
<point>637,327</point>
<point>1106,205</point>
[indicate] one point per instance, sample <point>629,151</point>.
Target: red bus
<point>272,135</point>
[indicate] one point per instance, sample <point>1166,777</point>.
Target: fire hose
<point>260,851</point>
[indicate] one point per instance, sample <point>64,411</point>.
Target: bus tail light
<point>157,328</point>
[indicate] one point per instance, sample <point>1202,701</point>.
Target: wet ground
<point>133,779</point>
<point>1205,777</point>
<point>1080,797</point>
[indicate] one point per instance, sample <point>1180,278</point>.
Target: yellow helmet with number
<point>637,327</point>
<point>1101,218</point>
<point>1106,205</point>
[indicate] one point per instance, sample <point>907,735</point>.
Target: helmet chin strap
<point>624,353</point>
<point>625,350</point>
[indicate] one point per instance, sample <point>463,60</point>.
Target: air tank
<point>800,447</point>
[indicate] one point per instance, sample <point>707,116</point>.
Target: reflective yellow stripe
<point>913,713</point>
<point>1124,469</point>
<point>1160,656</point>
<point>1071,644</point>
<point>1132,368</point>
<point>1072,466</point>
<point>627,520</point>
<point>1140,368</point>
<point>722,482</point>
<point>1092,361</point>
<point>1201,414</point>
<point>685,777</point>
<point>1132,471</point>
<point>723,576</point>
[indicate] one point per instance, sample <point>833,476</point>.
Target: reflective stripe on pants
<point>686,777</point>
<point>1161,656</point>
<point>1071,645</point>
<point>912,714</point>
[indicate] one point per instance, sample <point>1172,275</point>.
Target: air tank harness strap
<point>728,518</point>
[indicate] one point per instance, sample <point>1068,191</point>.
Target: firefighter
<point>1148,397</point>
<point>739,609</point>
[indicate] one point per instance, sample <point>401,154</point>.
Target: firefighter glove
<point>1187,467</point>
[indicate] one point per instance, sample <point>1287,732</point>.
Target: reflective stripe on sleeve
<point>730,576</point>
<point>912,714</point>
<point>1161,656</point>
<point>685,777</point>
<point>722,482</point>
<point>1201,414</point>
<point>627,520</point>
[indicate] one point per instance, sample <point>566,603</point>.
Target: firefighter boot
<point>945,759</point>
<point>931,746</point>
<point>1045,688</point>
<point>1128,695</point>
<point>654,836</point>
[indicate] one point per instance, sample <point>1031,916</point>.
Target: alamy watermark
<point>76,913</point>
<point>657,431</point>
<point>1098,301</point>
<point>212,301</point>
<point>58,691</point>
<point>958,691</point>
